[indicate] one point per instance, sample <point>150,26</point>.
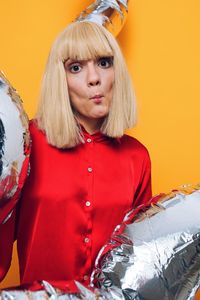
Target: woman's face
<point>90,86</point>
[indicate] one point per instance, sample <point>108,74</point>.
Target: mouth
<point>97,98</point>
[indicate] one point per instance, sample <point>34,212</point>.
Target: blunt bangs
<point>74,45</point>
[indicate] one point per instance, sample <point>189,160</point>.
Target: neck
<point>90,125</point>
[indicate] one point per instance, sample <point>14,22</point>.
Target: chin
<point>100,114</point>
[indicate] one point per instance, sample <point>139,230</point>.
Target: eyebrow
<point>70,60</point>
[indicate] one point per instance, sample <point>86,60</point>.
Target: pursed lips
<point>97,98</point>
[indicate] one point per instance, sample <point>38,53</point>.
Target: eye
<point>74,68</point>
<point>105,62</point>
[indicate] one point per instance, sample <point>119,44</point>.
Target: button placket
<point>87,206</point>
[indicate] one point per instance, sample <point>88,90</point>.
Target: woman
<point>85,172</point>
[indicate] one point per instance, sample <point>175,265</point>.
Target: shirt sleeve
<point>7,237</point>
<point>143,192</point>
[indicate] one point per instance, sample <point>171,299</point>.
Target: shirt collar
<point>97,136</point>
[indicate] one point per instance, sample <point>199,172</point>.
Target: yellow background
<point>161,44</point>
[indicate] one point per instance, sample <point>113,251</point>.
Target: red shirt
<point>71,203</point>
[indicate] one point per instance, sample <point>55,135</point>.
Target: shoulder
<point>135,150</point>
<point>36,133</point>
<point>33,127</point>
<point>38,137</point>
<point>132,144</point>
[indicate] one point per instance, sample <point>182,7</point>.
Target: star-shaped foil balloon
<point>108,13</point>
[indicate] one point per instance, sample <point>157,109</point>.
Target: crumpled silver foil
<point>108,13</point>
<point>49,292</point>
<point>14,145</point>
<point>155,253</point>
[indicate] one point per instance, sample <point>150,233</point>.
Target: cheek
<point>71,85</point>
<point>76,94</point>
<point>74,86</point>
<point>110,81</point>
<point>110,88</point>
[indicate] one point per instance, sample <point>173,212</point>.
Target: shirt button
<point>85,277</point>
<point>86,240</point>
<point>89,140</point>
<point>90,170</point>
<point>87,203</point>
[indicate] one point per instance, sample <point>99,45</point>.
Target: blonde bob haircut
<point>55,116</point>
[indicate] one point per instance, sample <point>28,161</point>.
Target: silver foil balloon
<point>14,147</point>
<point>108,13</point>
<point>155,253</point>
<point>48,291</point>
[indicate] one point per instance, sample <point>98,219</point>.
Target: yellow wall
<point>162,47</point>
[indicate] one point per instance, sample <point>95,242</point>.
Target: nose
<point>93,76</point>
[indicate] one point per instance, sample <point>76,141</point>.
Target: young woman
<point>85,172</point>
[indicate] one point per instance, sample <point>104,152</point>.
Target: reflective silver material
<point>23,295</point>
<point>52,293</point>
<point>108,13</point>
<point>112,293</point>
<point>14,145</point>
<point>50,290</point>
<point>158,255</point>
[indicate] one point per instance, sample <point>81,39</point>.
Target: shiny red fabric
<point>71,203</point>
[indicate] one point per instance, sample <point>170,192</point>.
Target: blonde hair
<point>82,40</point>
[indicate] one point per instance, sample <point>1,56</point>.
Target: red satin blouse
<point>71,203</point>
